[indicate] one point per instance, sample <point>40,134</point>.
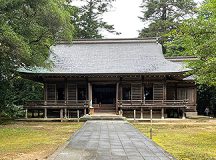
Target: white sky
<point>124,17</point>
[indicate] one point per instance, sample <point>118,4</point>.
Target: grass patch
<point>33,140</point>
<point>190,140</point>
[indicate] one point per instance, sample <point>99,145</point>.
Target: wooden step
<point>107,118</point>
<point>105,111</point>
<point>98,107</point>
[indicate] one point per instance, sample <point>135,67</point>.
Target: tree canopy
<point>162,16</point>
<point>27,30</point>
<point>197,37</point>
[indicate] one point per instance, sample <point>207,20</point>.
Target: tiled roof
<point>110,56</point>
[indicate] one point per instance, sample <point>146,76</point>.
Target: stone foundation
<point>191,114</point>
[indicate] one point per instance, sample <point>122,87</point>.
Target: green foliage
<point>206,98</point>
<point>88,20</point>
<point>27,30</point>
<point>15,92</point>
<point>164,16</point>
<point>197,37</point>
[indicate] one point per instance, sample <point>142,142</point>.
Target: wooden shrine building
<point>116,75</point>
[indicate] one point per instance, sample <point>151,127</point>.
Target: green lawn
<point>185,140</point>
<point>33,140</point>
<point>36,140</point>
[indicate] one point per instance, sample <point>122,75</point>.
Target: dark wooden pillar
<point>117,96</point>
<point>176,92</point>
<point>164,91</point>
<point>56,93</point>
<point>45,93</point>
<point>143,88</point>
<point>38,113</point>
<point>120,89</point>
<point>76,93</point>
<point>143,99</point>
<point>120,96</point>
<point>33,113</point>
<point>66,90</point>
<point>195,97</point>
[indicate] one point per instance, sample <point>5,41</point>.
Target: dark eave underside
<point>168,76</point>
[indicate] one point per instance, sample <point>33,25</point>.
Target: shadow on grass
<point>6,121</point>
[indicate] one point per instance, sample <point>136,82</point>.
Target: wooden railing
<point>120,103</point>
<point>152,103</point>
<point>75,103</point>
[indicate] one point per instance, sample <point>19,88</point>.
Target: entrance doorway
<point>104,96</point>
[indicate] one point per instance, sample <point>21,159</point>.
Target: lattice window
<point>181,93</point>
<point>191,95</point>
<point>186,93</point>
<point>126,92</point>
<point>51,92</point>
<point>72,92</point>
<point>81,92</point>
<point>136,91</point>
<point>158,91</point>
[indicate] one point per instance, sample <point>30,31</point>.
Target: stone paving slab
<point>111,140</point>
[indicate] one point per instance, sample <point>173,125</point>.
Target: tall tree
<point>27,30</point>
<point>197,37</point>
<point>164,16</point>
<point>88,19</point>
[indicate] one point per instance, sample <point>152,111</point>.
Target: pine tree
<point>164,16</point>
<point>88,19</point>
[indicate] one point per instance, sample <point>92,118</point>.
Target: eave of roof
<point>181,58</point>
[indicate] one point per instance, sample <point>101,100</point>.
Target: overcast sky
<point>124,17</point>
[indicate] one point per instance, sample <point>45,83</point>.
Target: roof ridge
<point>112,40</point>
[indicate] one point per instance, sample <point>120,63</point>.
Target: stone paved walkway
<point>111,140</point>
